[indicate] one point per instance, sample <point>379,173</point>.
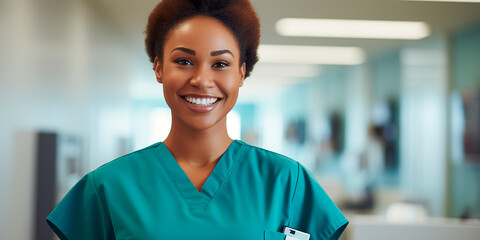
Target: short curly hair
<point>238,15</point>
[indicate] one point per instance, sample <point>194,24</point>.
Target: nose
<point>202,78</point>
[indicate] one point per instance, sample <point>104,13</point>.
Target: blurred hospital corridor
<point>378,99</point>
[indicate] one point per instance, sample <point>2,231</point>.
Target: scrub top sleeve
<point>313,211</point>
<point>82,213</point>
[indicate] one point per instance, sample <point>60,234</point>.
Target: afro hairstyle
<point>238,15</point>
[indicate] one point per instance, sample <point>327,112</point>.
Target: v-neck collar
<point>212,185</point>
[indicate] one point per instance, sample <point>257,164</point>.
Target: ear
<point>242,73</point>
<point>157,66</point>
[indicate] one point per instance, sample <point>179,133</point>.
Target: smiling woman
<point>203,66</point>
<point>199,183</point>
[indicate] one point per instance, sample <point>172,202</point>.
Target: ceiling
<point>443,17</point>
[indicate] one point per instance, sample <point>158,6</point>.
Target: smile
<point>201,101</point>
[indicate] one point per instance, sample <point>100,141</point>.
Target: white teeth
<point>201,101</point>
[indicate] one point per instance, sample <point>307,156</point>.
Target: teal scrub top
<point>251,194</point>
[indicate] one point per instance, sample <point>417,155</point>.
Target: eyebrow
<point>192,52</point>
<point>220,52</point>
<point>189,51</point>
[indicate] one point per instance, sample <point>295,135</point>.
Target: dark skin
<point>201,61</point>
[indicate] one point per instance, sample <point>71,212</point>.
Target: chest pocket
<point>271,235</point>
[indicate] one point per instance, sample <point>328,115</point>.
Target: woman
<point>198,183</point>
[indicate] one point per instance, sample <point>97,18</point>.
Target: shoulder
<point>130,164</point>
<point>269,159</point>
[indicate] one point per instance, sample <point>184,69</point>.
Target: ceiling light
<point>340,28</point>
<point>311,54</point>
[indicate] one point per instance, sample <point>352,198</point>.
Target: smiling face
<point>200,72</point>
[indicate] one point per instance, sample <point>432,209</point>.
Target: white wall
<point>423,126</point>
<point>62,69</point>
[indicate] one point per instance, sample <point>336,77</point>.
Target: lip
<point>199,95</point>
<point>199,108</point>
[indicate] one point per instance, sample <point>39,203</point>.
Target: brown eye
<point>183,62</point>
<point>221,64</point>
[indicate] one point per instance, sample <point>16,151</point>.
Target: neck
<point>198,147</point>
